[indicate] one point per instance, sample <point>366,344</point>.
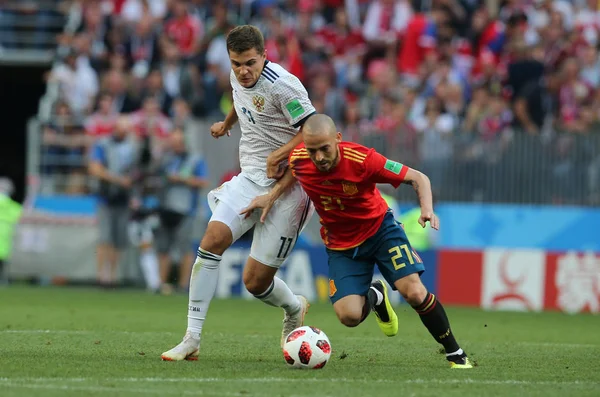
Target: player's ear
<point>338,137</point>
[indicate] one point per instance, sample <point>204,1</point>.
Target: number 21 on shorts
<point>397,255</point>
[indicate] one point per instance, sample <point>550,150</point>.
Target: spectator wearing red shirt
<point>339,37</point>
<point>285,50</point>
<point>386,20</point>
<point>489,39</point>
<point>102,122</point>
<point>184,29</point>
<point>150,121</point>
<point>574,94</point>
<point>419,40</point>
<point>344,45</point>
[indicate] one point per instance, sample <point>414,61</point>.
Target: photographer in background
<point>183,175</point>
<point>144,214</point>
<point>112,161</point>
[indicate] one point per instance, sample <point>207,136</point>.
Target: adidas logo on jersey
<point>326,183</point>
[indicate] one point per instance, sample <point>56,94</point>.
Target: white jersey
<point>270,114</point>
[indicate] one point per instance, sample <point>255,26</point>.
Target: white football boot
<point>186,350</point>
<point>293,321</point>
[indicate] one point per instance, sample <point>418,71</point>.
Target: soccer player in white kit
<point>271,105</point>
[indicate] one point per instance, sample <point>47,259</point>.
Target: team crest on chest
<point>259,102</point>
<point>349,188</point>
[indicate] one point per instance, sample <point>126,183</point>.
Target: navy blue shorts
<point>351,271</point>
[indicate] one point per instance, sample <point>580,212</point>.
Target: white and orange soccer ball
<point>307,347</point>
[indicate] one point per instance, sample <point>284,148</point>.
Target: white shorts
<point>273,240</point>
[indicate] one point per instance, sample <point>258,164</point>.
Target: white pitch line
<point>466,381</point>
<point>82,332</point>
<point>119,389</point>
<point>266,336</point>
<point>558,344</point>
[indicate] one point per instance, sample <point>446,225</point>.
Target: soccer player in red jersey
<point>359,230</point>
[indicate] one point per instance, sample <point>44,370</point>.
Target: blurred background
<point>497,101</point>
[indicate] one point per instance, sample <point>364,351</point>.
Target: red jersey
<point>349,205</point>
<point>184,31</point>
<point>99,125</point>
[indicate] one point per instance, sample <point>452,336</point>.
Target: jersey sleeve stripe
<point>271,71</point>
<point>355,152</point>
<point>268,72</point>
<point>294,158</point>
<point>302,121</point>
<point>268,77</point>
<point>353,158</point>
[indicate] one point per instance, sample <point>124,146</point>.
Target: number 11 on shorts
<point>283,247</point>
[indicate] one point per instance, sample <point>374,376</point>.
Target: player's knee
<point>256,285</point>
<point>216,239</point>
<point>350,318</point>
<point>413,292</point>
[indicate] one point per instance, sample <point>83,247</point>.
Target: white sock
<point>203,284</point>
<point>379,296</point>
<point>280,295</point>
<point>149,264</point>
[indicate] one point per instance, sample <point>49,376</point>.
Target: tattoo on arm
<point>415,186</point>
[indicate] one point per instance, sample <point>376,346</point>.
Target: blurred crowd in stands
<point>494,100</point>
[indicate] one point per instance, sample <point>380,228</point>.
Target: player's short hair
<point>245,37</point>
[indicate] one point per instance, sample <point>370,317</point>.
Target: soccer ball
<point>307,347</point>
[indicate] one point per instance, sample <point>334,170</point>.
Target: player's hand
<point>430,217</point>
<point>217,130</point>
<point>265,202</point>
<point>274,170</point>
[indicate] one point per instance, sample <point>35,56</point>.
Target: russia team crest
<point>349,188</point>
<point>258,102</point>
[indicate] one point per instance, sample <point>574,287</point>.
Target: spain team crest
<point>349,188</point>
<point>332,288</point>
<point>258,102</point>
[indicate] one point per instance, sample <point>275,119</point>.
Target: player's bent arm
<point>277,156</point>
<point>282,185</point>
<point>283,152</point>
<point>420,182</point>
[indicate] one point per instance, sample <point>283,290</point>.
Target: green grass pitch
<point>86,342</point>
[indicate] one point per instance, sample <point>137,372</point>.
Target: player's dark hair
<point>245,37</point>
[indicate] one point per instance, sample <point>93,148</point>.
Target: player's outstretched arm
<point>420,182</point>
<point>266,201</point>
<point>221,128</point>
